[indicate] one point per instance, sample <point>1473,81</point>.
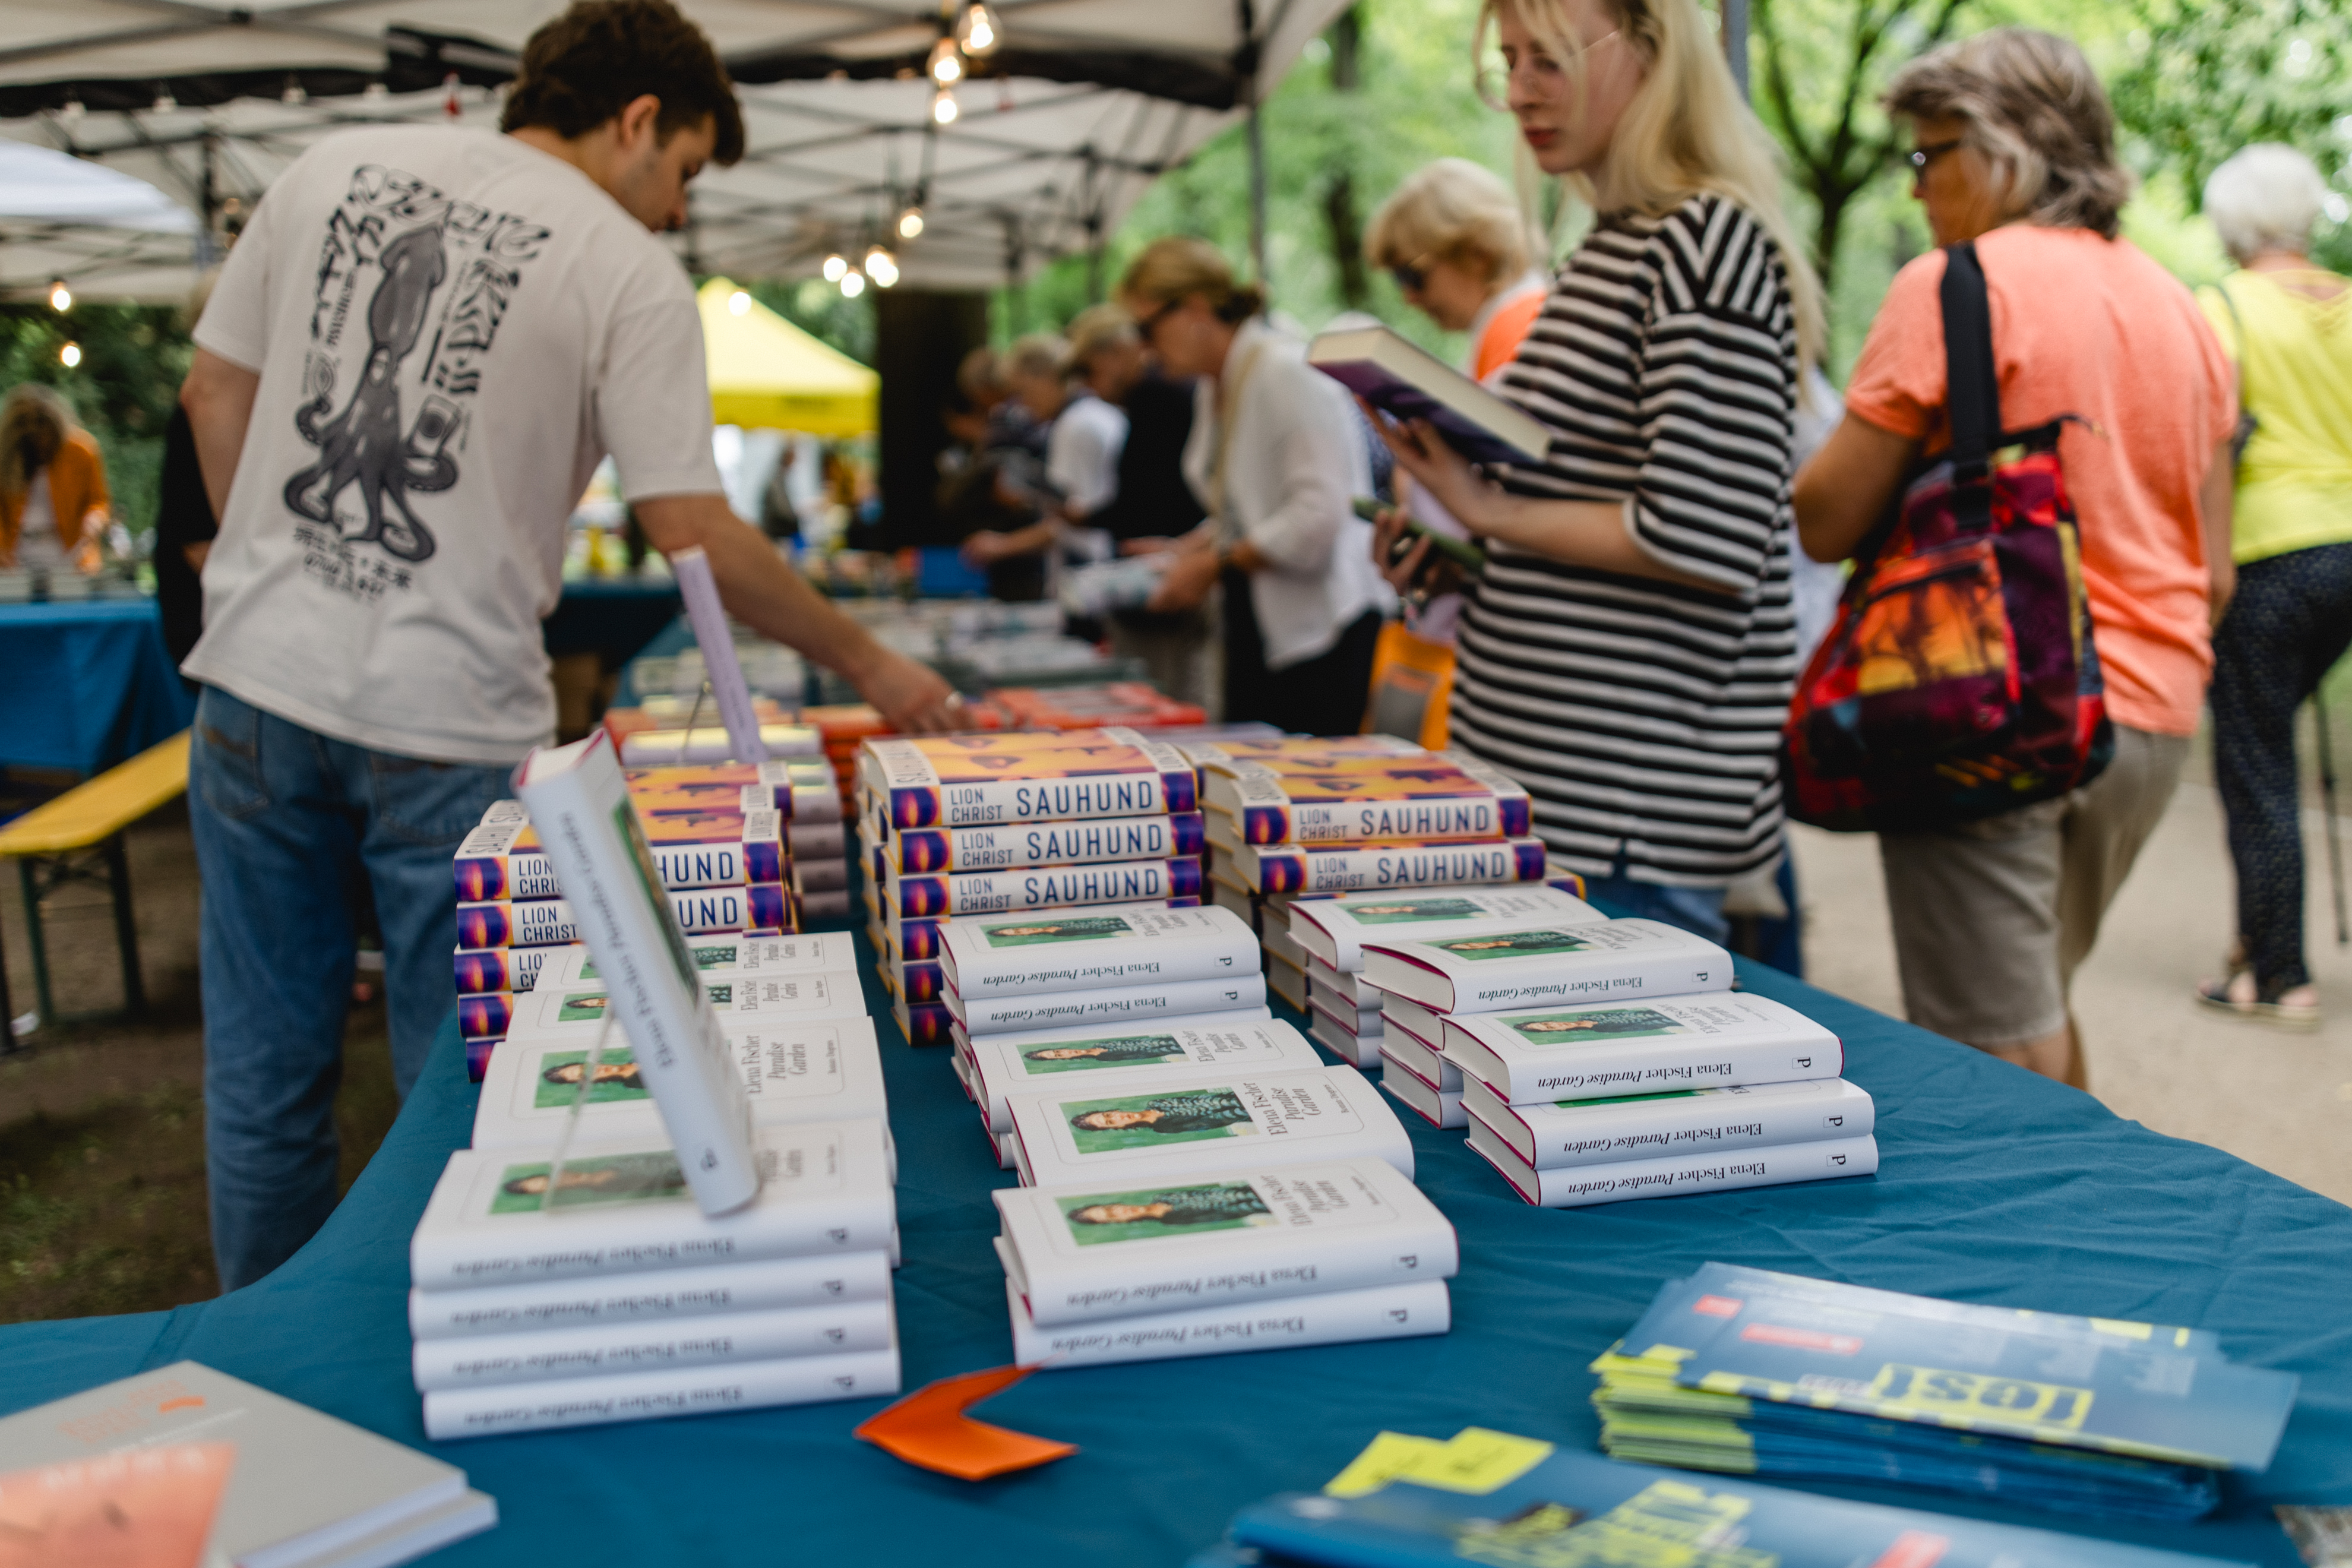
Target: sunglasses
<point>1920,157</point>
<point>1149,323</point>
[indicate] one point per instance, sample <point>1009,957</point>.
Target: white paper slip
<point>1081,1254</point>
<point>1111,1005</point>
<point>1691,1120</point>
<point>1096,1132</point>
<point>647,1395</point>
<point>1609,1049</point>
<point>1334,929</point>
<point>1384,1312</point>
<point>1087,949</point>
<point>729,954</point>
<point>1130,1058</point>
<point>1770,1166</point>
<point>608,1350</point>
<point>1425,1064</point>
<point>669,1294</point>
<point>623,1208</point>
<point>1548,965</point>
<point>793,1070</point>
<point>577,1011</point>
<point>1332,1032</point>
<point>1439,1108</point>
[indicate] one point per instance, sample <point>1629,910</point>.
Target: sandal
<point>2297,1009</point>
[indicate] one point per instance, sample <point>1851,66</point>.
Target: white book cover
<point>1439,1108</point>
<point>1363,1018</point>
<point>728,953</point>
<point>624,1208</point>
<point>793,1070</point>
<point>647,1395</point>
<point>1613,1049</point>
<point>608,1349</point>
<point>1403,1015</point>
<point>1678,1122</point>
<point>1130,1058</point>
<point>654,1298</point>
<point>1087,949</point>
<point>738,998</point>
<point>1334,929</point>
<point>579,804</point>
<point>1550,964</point>
<point>1334,1035</point>
<point>1095,1134</point>
<point>1340,1316</point>
<point>1773,1165</point>
<point>1111,1005</point>
<point>1078,1254</point>
<point>1422,1060</point>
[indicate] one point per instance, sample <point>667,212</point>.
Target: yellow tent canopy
<point>768,375</point>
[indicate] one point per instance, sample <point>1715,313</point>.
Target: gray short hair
<point>1039,355</point>
<point>2266,197</point>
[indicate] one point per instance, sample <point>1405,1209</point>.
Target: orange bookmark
<point>930,1428</point>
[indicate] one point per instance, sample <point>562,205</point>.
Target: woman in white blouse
<point>1277,458</point>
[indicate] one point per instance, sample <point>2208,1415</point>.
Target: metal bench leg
<point>8,1045</point>
<point>28,879</point>
<point>126,928</point>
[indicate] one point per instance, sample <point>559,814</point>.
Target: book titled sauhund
<point>1089,773</point>
<point>1438,796</point>
<point>1494,971</point>
<point>1087,841</point>
<point>550,922</point>
<point>1037,887</point>
<point>1375,868</point>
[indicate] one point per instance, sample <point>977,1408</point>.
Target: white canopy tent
<point>64,217</point>
<point>1060,129</point>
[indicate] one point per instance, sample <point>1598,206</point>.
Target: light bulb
<point>853,284</point>
<point>295,96</point>
<point>943,107</point>
<point>835,266</point>
<point>739,302</point>
<point>947,62</point>
<point>61,296</point>
<point>70,356</point>
<point>882,266</point>
<point>977,29</point>
<point>71,111</point>
<point>911,223</point>
<point>164,103</point>
<point>376,92</point>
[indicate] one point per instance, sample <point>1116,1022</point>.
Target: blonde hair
<point>1039,355</point>
<point>1453,210</point>
<point>2031,105</point>
<point>1686,132</point>
<point>1177,268</point>
<point>2266,197</point>
<point>34,424</point>
<point>1094,330</point>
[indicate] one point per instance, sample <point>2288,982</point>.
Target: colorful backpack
<point>1959,679</point>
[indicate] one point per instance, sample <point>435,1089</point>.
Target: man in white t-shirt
<point>424,343</point>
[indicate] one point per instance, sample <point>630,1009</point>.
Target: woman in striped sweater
<point>1629,653</point>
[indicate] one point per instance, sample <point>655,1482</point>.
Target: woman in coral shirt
<point>53,499</point>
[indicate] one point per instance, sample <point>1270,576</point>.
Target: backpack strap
<point>1972,385</point>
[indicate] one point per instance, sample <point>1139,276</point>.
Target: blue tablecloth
<point>612,617</point>
<point>88,685</point>
<point>1996,1187</point>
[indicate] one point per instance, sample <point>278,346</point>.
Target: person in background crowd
<point>2013,148</point>
<point>393,507</point>
<point>184,524</point>
<point>1276,457</point>
<point>1627,653</point>
<point>2284,322</point>
<point>54,505</point>
<point>1152,505</point>
<point>1080,475</point>
<point>997,435</point>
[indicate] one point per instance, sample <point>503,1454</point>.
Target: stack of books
<point>1129,704</point>
<point>955,826</point>
<point>1754,1373</point>
<point>1328,934</point>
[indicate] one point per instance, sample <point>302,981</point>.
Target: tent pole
<point>1734,41</point>
<point>1257,188</point>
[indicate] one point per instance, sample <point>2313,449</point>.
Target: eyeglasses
<point>1149,323</point>
<point>1920,157</point>
<point>1413,276</point>
<point>1494,82</point>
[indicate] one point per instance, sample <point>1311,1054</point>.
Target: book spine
<point>921,981</point>
<point>1468,816</point>
<point>1209,951</point>
<point>644,1395</point>
<point>1359,1259</point>
<point>725,864</point>
<point>759,907</point>
<point>610,1349</point>
<point>478,1057</point>
<point>1440,1108</point>
<point>526,874</point>
<point>533,922</point>
<point>1296,869</point>
<point>923,1023</point>
<point>913,796</point>
<point>485,1017</point>
<point>1086,842</point>
<point>1645,1066</point>
<point>590,829</point>
<point>919,938</point>
<point>487,969</point>
<point>997,892</point>
<point>1614,977</point>
<point>1697,1173</point>
<point>1341,1317</point>
<point>659,1297</point>
<point>1653,1130</point>
<point>1122,1004</point>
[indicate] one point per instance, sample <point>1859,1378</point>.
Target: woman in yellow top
<point>53,499</point>
<point>2287,326</point>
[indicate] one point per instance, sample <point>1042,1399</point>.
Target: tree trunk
<point>1347,239</point>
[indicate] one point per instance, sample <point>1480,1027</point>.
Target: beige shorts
<point>1992,917</point>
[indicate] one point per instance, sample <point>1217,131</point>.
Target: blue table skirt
<point>1997,1187</point>
<point>87,686</point>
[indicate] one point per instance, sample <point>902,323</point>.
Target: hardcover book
<point>1439,1108</point>
<point>724,953</point>
<point>645,1395</point>
<point>1405,382</point>
<point>1651,1126</point>
<point>1548,1054</point>
<point>654,1298</point>
<point>1532,967</point>
<point>1310,868</point>
<point>576,1014</point>
<point>488,969</point>
<point>550,922</point>
<point>1334,929</point>
<point>1086,949</point>
<point>690,849</point>
<point>605,1350</point>
<point>1092,773</point>
<point>1116,1005</point>
<point>1085,842</point>
<point>1341,983</point>
<point>1096,1132</point>
<point>1339,1317</point>
<point>1137,1058</point>
<point>624,1207</point>
<point>1222,754</point>
<point>1081,1254</point>
<point>1672,1176</point>
<point>801,789</point>
<point>1448,795</point>
<point>1422,1062</point>
<point>711,744</point>
<point>1338,1035</point>
<point>1039,888</point>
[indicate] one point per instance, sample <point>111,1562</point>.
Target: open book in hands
<point>1407,382</point>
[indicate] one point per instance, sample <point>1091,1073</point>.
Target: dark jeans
<point>288,825</point>
<point>1321,696</point>
<point>2290,621</point>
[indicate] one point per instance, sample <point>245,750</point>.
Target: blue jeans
<point>288,823</point>
<point>1698,911</point>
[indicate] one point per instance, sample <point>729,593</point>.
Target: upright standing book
<point>1495,972</point>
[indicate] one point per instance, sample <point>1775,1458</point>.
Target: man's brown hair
<point>586,65</point>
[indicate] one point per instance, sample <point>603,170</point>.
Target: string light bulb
<point>943,107</point>
<point>946,63</point>
<point>882,266</point>
<point>164,103</point>
<point>71,111</point>
<point>836,267</point>
<point>738,303</point>
<point>70,356</point>
<point>295,96</point>
<point>976,30</point>
<point>61,296</point>
<point>911,223</point>
<point>853,284</point>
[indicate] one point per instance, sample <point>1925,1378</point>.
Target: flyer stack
<point>953,827</point>
<point>669,1208</point>
<point>721,838</point>
<point>1597,1060</point>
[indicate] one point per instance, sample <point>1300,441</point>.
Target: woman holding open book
<point>1629,651</point>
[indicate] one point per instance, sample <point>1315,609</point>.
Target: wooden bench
<point>78,837</point>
